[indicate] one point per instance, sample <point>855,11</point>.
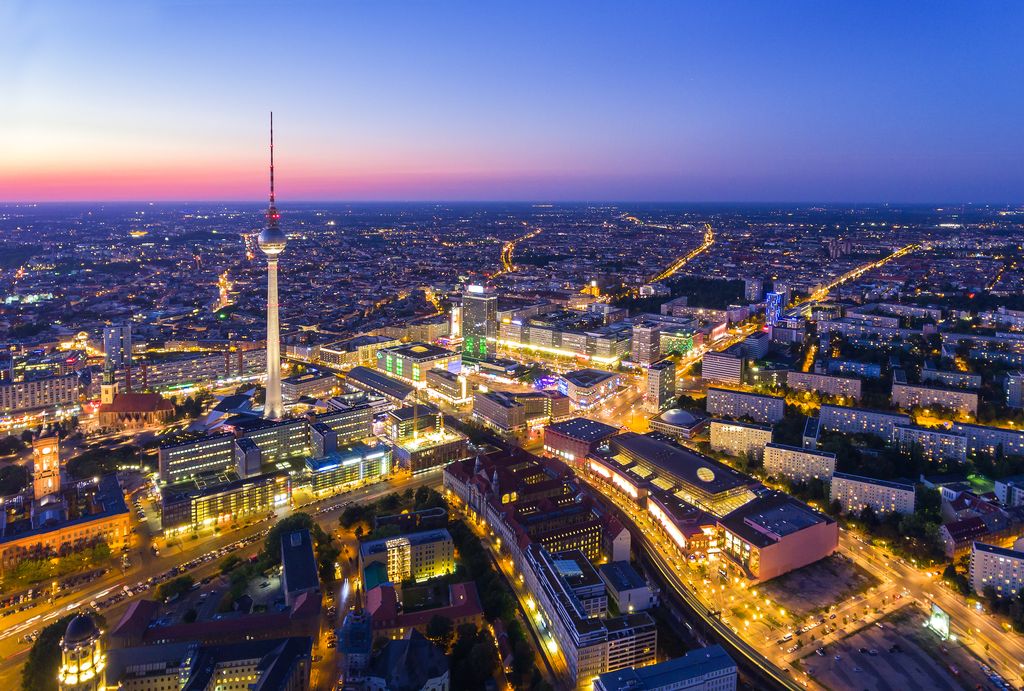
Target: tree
<point>440,630</point>
<point>174,588</point>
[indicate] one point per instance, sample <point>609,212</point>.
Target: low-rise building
<point>222,499</point>
<point>1010,490</point>
<point>410,362</point>
<point>627,588</point>
<point>798,464</point>
<point>573,439</point>
<point>854,492</point>
<point>347,466</point>
<point>739,404</point>
<point>739,438</point>
<point>310,384</point>
<point>588,387</point>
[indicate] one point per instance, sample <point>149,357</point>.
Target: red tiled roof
<point>137,403</point>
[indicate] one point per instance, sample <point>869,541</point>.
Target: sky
<point>779,100</point>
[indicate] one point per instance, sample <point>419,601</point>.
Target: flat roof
<point>583,429</point>
<point>687,466</point>
<point>588,377</point>
<point>621,575</point>
<point>692,665</point>
<point>299,562</point>
<point>998,551</point>
<point>382,383</point>
<point>419,351</point>
<point>800,449</point>
<point>744,425</point>
<point>421,538</point>
<point>874,481</point>
<point>350,452</point>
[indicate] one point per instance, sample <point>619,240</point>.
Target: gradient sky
<point>555,100</point>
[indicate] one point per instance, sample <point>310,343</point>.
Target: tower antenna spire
<point>272,215</point>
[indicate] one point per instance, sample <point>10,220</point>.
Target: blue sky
<point>721,101</point>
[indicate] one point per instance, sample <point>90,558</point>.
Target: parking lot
<point>899,656</point>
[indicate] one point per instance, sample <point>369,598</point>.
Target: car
<point>862,650</point>
<point>820,652</point>
<point>857,669</point>
<point>872,652</point>
<point>832,616</point>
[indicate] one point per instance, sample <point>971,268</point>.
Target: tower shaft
<point>273,409</point>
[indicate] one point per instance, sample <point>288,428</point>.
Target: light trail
<point>709,239</point>
<point>507,265</point>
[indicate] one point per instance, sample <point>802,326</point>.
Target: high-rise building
<point>646,343</point>
<point>773,308</point>
<point>272,241</point>
<point>753,289</point>
<point>479,323</point>
<point>117,346</point>
<point>660,391</point>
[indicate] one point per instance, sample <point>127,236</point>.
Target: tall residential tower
<point>272,241</point>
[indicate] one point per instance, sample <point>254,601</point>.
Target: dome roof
<point>678,416</point>
<point>80,630</point>
<point>272,240</point>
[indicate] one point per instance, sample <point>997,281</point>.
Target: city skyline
<point>418,103</point>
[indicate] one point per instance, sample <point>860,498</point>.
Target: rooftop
<point>419,351</point>
<point>583,429</point>
<point>693,664</point>
<point>587,378</point>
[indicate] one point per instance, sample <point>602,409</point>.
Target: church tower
<point>82,662</point>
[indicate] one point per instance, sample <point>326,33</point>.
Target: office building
<point>703,669</point>
<point>411,361</point>
<point>756,345</point>
<point>660,386</point>
<point>182,460</point>
<point>591,645</point>
<point>359,350</point>
<point>739,438</point>
<point>451,387</point>
<point>646,343</point>
<point>278,441</point>
<point>828,385</point>
<point>479,323</point>
<point>573,439</point>
<point>412,557</point>
<point>588,387</point>
<point>832,418</point>
<point>935,444</point>
<point>376,383</point>
<point>723,367</point>
<point>854,492</point>
<point>347,466</point>
<point>626,587</point>
<point>351,416</point>
<point>434,449</point>
<point>117,347</point>
<point>998,568</point>
<point>739,404</point>
<point>310,385</point>
<point>515,414</point>
<point>798,464</point>
<point>223,499</point>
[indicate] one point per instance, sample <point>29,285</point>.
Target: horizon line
<point>515,201</point>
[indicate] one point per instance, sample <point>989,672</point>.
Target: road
<point>982,633</point>
<point>709,239</point>
<point>13,648</point>
<point>507,265</point>
<point>670,565</point>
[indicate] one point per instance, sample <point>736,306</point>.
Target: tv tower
<point>272,241</point>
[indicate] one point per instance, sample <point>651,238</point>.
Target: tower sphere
<point>272,240</point>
